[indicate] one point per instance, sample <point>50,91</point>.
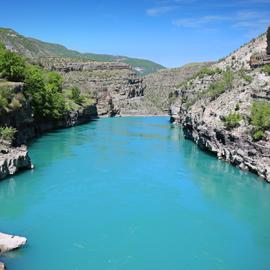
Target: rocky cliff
<point>159,85</point>
<point>14,157</point>
<point>115,86</point>
<point>215,110</point>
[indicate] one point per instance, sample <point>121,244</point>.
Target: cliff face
<point>159,85</point>
<point>205,105</point>
<point>115,86</point>
<point>14,159</point>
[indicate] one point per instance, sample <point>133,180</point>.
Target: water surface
<point>132,194</point>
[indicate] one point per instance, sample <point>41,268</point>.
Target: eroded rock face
<point>268,41</point>
<point>11,242</point>
<point>202,115</point>
<point>114,85</point>
<point>13,159</point>
<point>160,84</point>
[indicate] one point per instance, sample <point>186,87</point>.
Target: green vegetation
<point>74,99</point>
<point>260,114</point>
<point>7,133</point>
<point>4,94</point>
<point>43,89</point>
<point>216,89</point>
<point>266,69</point>
<point>12,66</point>
<point>232,120</point>
<point>243,75</point>
<point>76,95</point>
<point>9,100</point>
<point>257,135</point>
<point>260,118</point>
<point>207,71</point>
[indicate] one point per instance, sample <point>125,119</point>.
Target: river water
<point>132,194</point>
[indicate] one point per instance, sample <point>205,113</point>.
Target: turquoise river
<point>132,194</point>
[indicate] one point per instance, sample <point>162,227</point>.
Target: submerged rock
<point>10,242</point>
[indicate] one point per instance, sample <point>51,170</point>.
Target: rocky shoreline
<point>240,151</point>
<point>14,159</point>
<point>215,108</point>
<point>9,243</point>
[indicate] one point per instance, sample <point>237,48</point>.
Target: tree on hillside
<point>12,65</point>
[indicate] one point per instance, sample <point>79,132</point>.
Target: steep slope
<point>34,48</point>
<point>226,110</point>
<point>160,84</point>
<point>115,86</point>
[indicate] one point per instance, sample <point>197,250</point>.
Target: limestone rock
<point>2,266</point>
<point>11,242</point>
<point>116,86</point>
<point>13,159</point>
<point>202,115</point>
<point>268,41</point>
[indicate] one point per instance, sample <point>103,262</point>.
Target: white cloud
<point>200,21</point>
<point>253,20</point>
<point>159,10</point>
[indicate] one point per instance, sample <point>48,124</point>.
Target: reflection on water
<point>234,191</point>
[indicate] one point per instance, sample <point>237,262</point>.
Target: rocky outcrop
<point>114,85</point>
<point>159,85</point>
<point>258,59</point>
<point>268,41</point>
<point>13,159</point>
<point>203,104</point>
<point>11,242</point>
<point>235,148</point>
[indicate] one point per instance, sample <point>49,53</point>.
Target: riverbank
<point>15,158</point>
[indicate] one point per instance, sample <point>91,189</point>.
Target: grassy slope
<point>36,48</point>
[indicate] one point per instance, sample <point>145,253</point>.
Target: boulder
<point>10,242</point>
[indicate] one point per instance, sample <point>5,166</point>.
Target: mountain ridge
<point>34,48</point>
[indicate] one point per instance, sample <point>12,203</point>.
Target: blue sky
<point>170,32</point>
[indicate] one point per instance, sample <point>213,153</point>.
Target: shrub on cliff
<point>245,76</point>
<point>216,89</point>
<point>45,90</point>
<point>258,135</point>
<point>208,71</point>
<point>7,133</point>
<point>266,69</point>
<point>76,95</point>
<point>232,120</point>
<point>4,94</point>
<point>260,118</point>
<point>12,66</point>
<point>260,114</point>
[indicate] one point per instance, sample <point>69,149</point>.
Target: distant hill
<point>34,48</point>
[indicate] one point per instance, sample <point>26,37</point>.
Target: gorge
<point>222,106</point>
